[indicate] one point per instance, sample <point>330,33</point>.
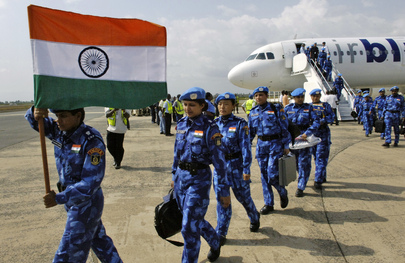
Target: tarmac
<point>359,216</point>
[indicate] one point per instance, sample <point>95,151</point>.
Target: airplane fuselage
<point>364,63</point>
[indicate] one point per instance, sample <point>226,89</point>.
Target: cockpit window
<point>261,56</point>
<point>270,55</point>
<point>251,57</point>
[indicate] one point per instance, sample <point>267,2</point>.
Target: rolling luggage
<point>287,169</point>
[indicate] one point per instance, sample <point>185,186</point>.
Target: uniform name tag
<point>181,131</point>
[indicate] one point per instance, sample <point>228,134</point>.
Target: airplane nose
<point>235,76</point>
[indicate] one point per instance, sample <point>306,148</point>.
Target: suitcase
<point>379,126</point>
<point>287,170</point>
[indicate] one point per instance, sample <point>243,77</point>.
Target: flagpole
<point>41,128</point>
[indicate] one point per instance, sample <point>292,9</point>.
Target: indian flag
<point>82,60</point>
<point>198,134</point>
<point>232,129</point>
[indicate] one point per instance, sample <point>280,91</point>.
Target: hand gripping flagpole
<point>41,128</point>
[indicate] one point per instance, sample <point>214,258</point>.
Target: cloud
<point>226,11</point>
<point>3,3</point>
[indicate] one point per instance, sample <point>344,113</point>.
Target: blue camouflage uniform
<point>197,145</point>
<point>80,161</point>
<point>306,119</point>
<point>327,67</point>
<point>321,150</point>
<point>338,84</point>
<point>322,58</point>
<point>368,114</point>
<point>378,105</point>
<point>270,124</point>
<point>394,110</point>
<point>357,105</point>
<point>238,155</point>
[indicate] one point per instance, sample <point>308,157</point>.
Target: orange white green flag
<point>83,60</point>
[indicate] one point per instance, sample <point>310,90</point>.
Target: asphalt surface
<point>359,216</point>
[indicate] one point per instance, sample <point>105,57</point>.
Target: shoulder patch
<point>217,138</point>
<point>95,154</point>
<point>246,129</point>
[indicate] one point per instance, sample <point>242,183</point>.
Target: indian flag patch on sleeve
<point>75,148</point>
<point>232,129</point>
<point>198,134</point>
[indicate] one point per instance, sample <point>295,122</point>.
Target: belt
<point>393,111</point>
<point>230,156</point>
<point>270,137</point>
<point>192,167</point>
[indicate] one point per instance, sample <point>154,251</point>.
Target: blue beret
<point>194,93</point>
<point>394,88</point>
<point>339,75</point>
<point>251,96</point>
<point>359,91</point>
<point>366,95</point>
<point>261,89</point>
<point>211,108</point>
<point>298,92</point>
<point>381,90</point>
<point>225,96</point>
<point>315,92</point>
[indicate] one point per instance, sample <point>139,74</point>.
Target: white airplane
<point>373,62</point>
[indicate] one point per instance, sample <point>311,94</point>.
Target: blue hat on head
<point>394,88</point>
<point>225,96</point>
<point>251,96</point>
<point>261,89</point>
<point>359,91</point>
<point>211,108</point>
<point>315,92</point>
<point>366,95</point>
<point>339,75</point>
<point>298,92</point>
<point>194,93</point>
<point>382,90</point>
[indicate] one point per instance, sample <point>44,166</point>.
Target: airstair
<point>315,80</point>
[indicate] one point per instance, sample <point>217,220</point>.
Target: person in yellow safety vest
<point>248,105</point>
<point>168,110</point>
<point>178,108</point>
<point>117,120</point>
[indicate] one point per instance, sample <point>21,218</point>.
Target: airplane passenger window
<point>342,53</point>
<point>270,55</point>
<point>261,56</point>
<point>335,53</point>
<point>251,57</point>
<point>348,53</point>
<point>361,52</point>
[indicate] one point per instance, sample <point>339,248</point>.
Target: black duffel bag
<point>379,126</point>
<point>353,114</point>
<point>168,218</point>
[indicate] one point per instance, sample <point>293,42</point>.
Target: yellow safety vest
<point>111,120</point>
<point>169,107</point>
<point>179,107</point>
<point>249,105</point>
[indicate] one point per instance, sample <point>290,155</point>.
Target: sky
<point>205,38</point>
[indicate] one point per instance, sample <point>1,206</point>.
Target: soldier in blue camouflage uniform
<point>338,85</point>
<point>378,105</point>
<point>321,150</point>
<point>238,155</point>
<point>394,111</point>
<point>80,161</point>
<point>270,124</point>
<point>357,106</point>
<point>197,145</point>
<point>304,117</point>
<point>368,114</point>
